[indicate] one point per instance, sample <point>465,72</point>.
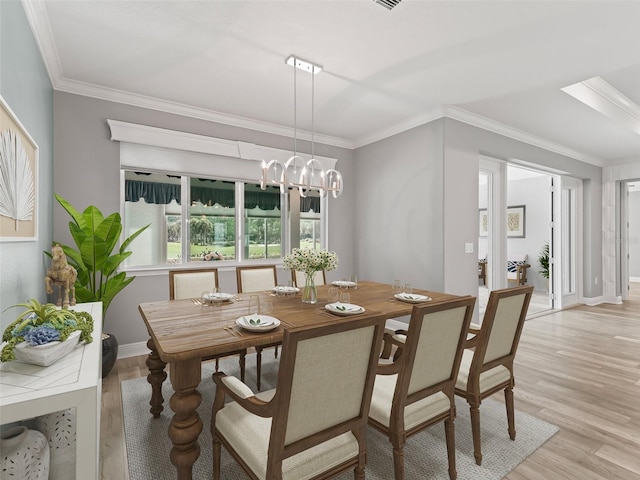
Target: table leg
<point>186,424</point>
<point>156,378</point>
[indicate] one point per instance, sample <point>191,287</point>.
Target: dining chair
<point>487,361</point>
<point>313,424</point>
<point>190,283</point>
<point>258,278</point>
<point>416,390</point>
<point>298,277</point>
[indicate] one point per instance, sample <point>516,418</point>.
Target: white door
<point>566,252</point>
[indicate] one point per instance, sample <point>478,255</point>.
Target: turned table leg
<point>186,424</point>
<point>156,378</point>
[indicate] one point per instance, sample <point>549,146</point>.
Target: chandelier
<point>306,176</point>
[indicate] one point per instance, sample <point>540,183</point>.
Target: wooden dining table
<point>184,332</point>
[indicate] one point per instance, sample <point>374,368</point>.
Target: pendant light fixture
<point>296,173</point>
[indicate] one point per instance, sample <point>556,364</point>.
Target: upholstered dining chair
<point>416,390</point>
<point>313,424</point>
<point>298,277</point>
<point>190,284</point>
<point>257,278</point>
<point>487,361</point>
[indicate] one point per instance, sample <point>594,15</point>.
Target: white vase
<point>24,454</point>
<point>59,428</point>
<point>45,355</point>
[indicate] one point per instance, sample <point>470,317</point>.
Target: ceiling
<point>499,65</point>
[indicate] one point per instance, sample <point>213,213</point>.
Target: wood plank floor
<point>578,369</point>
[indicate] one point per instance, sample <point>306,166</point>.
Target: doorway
<point>517,208</point>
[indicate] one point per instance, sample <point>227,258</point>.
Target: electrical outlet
<point>468,248</point>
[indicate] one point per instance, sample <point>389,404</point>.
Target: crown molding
<point>465,116</point>
<point>38,20</point>
<point>399,128</point>
<point>606,99</point>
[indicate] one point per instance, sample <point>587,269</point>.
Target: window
<point>210,220</point>
<point>198,196</point>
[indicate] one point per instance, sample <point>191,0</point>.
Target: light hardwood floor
<point>578,369</point>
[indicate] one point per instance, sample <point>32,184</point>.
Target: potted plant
<point>44,333</point>
<point>95,238</point>
<point>543,261</point>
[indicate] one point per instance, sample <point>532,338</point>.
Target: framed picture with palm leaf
<point>18,179</point>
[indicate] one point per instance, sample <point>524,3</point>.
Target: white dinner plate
<point>220,297</point>
<point>412,297</point>
<point>286,289</point>
<point>344,283</point>
<point>258,323</point>
<point>344,308</point>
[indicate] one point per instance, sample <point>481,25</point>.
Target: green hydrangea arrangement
<point>44,323</point>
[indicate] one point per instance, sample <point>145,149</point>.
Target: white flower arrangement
<point>310,261</point>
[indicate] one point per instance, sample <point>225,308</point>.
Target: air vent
<point>388,4</point>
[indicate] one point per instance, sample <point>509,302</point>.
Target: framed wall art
<point>18,179</point>
<point>483,221</point>
<point>516,221</point>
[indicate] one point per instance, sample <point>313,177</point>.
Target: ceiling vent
<point>388,4</point>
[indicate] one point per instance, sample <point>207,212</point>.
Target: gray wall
<point>25,86</point>
<point>634,234</point>
<point>83,151</point>
<point>399,200</point>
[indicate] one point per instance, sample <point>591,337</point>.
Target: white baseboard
<point>133,350</point>
<point>634,279</point>
<point>601,299</point>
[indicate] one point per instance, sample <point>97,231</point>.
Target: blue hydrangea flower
<point>23,332</point>
<point>41,335</point>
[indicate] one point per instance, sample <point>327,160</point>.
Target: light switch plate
<point>468,248</point>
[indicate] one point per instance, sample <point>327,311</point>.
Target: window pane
<point>152,199</point>
<point>310,222</point>
<point>212,223</point>
<point>263,233</point>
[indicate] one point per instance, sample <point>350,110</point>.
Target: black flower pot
<point>109,353</point>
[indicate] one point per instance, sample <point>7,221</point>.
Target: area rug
<point>148,445</point>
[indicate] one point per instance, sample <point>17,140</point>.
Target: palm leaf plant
<point>543,261</point>
<point>94,258</point>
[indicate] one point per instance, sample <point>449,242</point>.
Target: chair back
<point>299,279</point>
<point>501,326</point>
<point>325,383</point>
<point>191,283</point>
<point>256,278</point>
<point>433,348</point>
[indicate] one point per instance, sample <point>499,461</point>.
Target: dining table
<point>184,332</point>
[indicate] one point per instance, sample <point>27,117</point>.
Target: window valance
<point>164,193</point>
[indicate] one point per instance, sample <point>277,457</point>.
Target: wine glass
<point>254,305</point>
<point>344,297</point>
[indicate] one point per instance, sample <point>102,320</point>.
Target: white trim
<point>634,279</point>
<point>593,301</point>
<point>399,128</point>
<point>133,350</point>
<point>457,113</point>
<point>190,142</point>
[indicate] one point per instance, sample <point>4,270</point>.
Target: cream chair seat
<point>488,368</point>
<point>312,425</point>
<point>416,390</point>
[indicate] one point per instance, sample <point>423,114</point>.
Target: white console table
<point>74,381</point>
